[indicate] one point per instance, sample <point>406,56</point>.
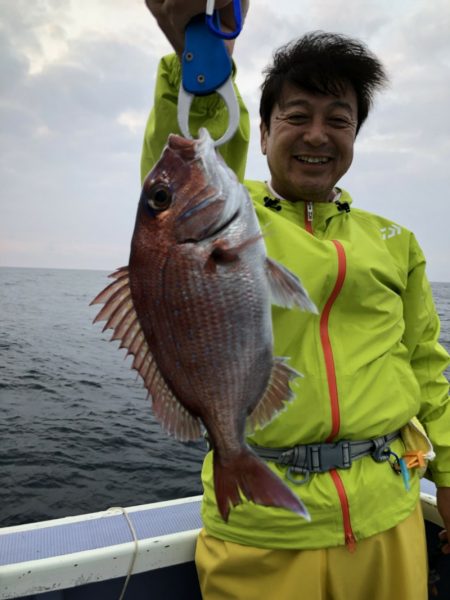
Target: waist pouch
<point>320,458</point>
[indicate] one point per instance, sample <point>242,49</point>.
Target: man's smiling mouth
<point>313,160</point>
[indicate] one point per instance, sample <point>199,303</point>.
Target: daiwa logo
<point>391,231</point>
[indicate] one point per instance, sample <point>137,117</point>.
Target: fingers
<point>172,17</point>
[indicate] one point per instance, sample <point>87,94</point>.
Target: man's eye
<point>340,122</point>
<point>294,118</point>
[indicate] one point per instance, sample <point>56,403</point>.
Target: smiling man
<point>349,441</point>
<point>308,142</point>
<point>310,115</point>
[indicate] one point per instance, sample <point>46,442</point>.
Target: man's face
<point>310,143</point>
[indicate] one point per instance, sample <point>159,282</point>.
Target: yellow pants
<point>387,566</point>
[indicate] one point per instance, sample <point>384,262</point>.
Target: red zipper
<point>350,540</point>
<point>326,344</point>
<point>349,536</point>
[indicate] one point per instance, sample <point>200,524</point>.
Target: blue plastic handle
<point>206,64</point>
<point>210,20</point>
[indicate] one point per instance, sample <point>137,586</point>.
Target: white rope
<point>136,545</point>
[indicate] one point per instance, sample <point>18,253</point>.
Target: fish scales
<point>193,308</point>
<point>208,302</point>
<point>220,346</point>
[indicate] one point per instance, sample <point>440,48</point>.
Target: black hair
<point>323,63</point>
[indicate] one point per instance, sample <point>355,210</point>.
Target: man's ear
<point>263,137</point>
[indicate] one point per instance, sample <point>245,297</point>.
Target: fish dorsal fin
<point>120,316</point>
<point>276,395</point>
<point>286,288</point>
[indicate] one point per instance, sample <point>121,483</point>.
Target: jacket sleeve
<point>429,361</point>
<point>206,111</point>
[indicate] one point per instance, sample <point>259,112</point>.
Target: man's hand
<point>443,505</point>
<point>172,17</point>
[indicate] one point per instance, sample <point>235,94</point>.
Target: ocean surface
<point>76,431</point>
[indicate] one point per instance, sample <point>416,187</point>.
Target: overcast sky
<point>77,80</point>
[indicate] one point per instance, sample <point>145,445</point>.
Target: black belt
<point>323,457</point>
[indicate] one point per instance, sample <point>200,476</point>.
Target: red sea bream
<point>193,308</point>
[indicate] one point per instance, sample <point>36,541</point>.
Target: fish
<point>193,308</point>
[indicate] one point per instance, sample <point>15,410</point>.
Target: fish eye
<point>159,197</point>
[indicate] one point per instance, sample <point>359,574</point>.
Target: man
<point>371,360</point>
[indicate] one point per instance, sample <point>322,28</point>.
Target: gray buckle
<point>325,457</point>
<point>315,458</point>
<point>318,458</point>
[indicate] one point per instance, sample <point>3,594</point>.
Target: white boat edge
<point>72,569</point>
<point>60,571</point>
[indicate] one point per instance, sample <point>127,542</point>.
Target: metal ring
<point>295,480</point>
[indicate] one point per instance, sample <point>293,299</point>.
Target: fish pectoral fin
<point>120,316</point>
<point>276,395</point>
<point>222,253</point>
<point>286,288</point>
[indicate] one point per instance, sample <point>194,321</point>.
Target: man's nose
<point>316,133</point>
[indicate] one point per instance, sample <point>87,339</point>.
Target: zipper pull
<point>309,217</point>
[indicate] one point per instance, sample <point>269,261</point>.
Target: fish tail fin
<point>248,474</point>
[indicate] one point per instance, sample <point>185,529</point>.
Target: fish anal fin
<point>286,288</point>
<point>277,393</point>
<point>120,315</point>
<point>248,475</point>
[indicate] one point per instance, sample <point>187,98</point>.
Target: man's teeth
<point>313,159</point>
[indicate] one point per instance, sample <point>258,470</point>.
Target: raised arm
<point>206,111</point>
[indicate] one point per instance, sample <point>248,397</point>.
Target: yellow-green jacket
<point>370,359</point>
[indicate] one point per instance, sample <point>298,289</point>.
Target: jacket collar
<point>322,211</point>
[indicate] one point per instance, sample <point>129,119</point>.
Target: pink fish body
<point>193,307</point>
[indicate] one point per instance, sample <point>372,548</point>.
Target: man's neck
<point>334,195</point>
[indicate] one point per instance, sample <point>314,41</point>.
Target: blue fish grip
<point>213,22</point>
<point>205,63</point>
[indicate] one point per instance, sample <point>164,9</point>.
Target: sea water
<point>76,430</point>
